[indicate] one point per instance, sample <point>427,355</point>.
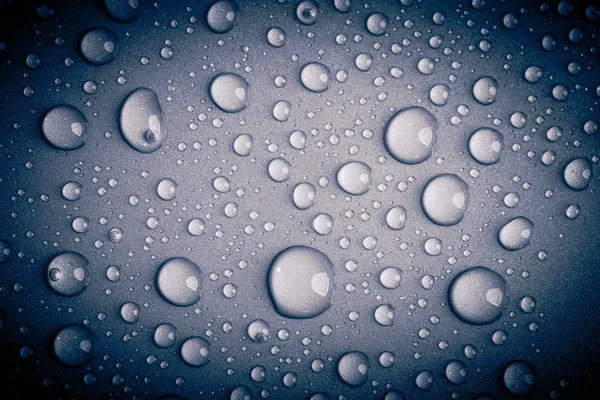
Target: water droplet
<point>281,110</point>
<point>516,234</point>
<point>74,345</point>
<point>384,315</point>
<point>307,12</point>
<point>300,282</point>
<point>396,218</point>
<point>534,74</point>
<point>195,351</point>
<point>424,380</point>
<point>410,135</point>
<point>179,281</point>
<point>519,378</point>
<point>353,368</point>
<point>221,16</point>
<point>527,304</point>
<point>323,224</point>
<point>276,37</point>
<point>122,10</point>
<point>164,335</point>
<point>130,312</point>
<point>456,372</point>
<point>478,295</point>
<point>141,121</point>
<point>243,144</point>
<point>67,273</point>
<point>485,90</point>
<point>315,77</point>
<point>354,177</point>
<point>229,91</point>
<point>578,173</point>
<point>433,246</point>
<point>391,277</point>
<point>377,24</point>
<point>445,199</point>
<point>439,94</point>
<point>65,127</point>
<point>279,169</point>
<point>363,61</point>
<point>166,189</point>
<point>99,46</point>
<point>304,195</point>
<point>258,331</point>
<point>486,145</point>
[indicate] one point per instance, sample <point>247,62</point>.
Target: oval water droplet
<point>229,92</point>
<point>519,378</point>
<point>445,199</point>
<point>179,281</point>
<point>141,121</point>
<point>410,135</point>
<point>353,368</point>
<point>354,177</point>
<point>7,251</point>
<point>304,195</point>
<point>315,77</point>
<point>65,127</point>
<point>99,46</point>
<point>516,234</point>
<point>300,282</point>
<point>478,295</point>
<point>242,145</point>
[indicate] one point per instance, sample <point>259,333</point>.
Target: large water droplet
<point>221,16</point>
<point>577,174</point>
<point>478,295</point>
<point>67,273</point>
<point>456,372</point>
<point>229,91</point>
<point>307,12</point>
<point>179,281</point>
<point>195,351</point>
<point>164,335</point>
<point>519,378</point>
<point>279,169</point>
<point>122,10</point>
<point>258,330</point>
<point>65,127</point>
<point>485,90</point>
<point>445,199</point>
<point>304,195</point>
<point>141,121</point>
<point>354,177</point>
<point>300,282</point>
<point>315,77</point>
<point>410,135</point>
<point>276,37</point>
<point>99,46</point>
<point>377,23</point>
<point>353,368</point>
<point>74,345</point>
<point>486,145</point>
<point>516,234</point>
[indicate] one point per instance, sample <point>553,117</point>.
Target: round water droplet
<point>179,281</point>
<point>342,6</point>
<point>315,77</point>
<point>391,277</point>
<point>281,110</point>
<point>323,224</point>
<point>113,273</point>
<point>7,251</point>
<point>445,199</point>
<point>67,273</point>
<point>276,37</point>
<point>196,227</point>
<point>221,16</point>
<point>396,218</point>
<point>519,378</point>
<point>433,246</point>
<point>377,24</point>
<point>99,46</point>
<point>363,61</point>
<point>195,351</point>
<point>300,282</point>
<point>307,12</point>
<point>456,372</point>
<point>166,189</point>
<point>71,191</point>
<point>164,335</point>
<point>258,330</point>
<point>486,145</point>
<point>353,368</point>
<point>527,304</point>
<point>425,66</point>
<point>279,169</point>
<point>241,393</point>
<point>384,315</point>
<point>516,234</point>
<point>229,92</point>
<point>578,173</point>
<point>424,380</point>
<point>141,121</point>
<point>439,94</point>
<point>572,212</point>
<point>130,312</point>
<point>33,61</point>
<point>304,195</point>
<point>534,74</point>
<point>354,177</point>
<point>298,140</point>
<point>65,127</point>
<point>74,345</point>
<point>122,10</point>
<point>394,395</point>
<point>80,224</point>
<point>478,295</point>
<point>485,90</point>
<point>243,144</point>
<point>230,290</point>
<point>221,184</point>
<point>410,135</point>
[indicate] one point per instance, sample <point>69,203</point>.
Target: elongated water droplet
<point>141,121</point>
